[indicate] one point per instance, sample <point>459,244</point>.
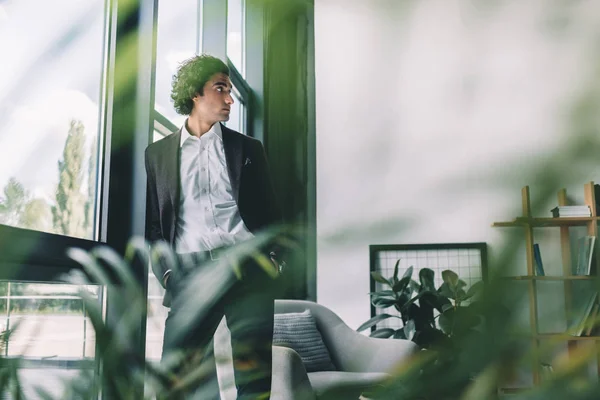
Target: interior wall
<point>432,115</point>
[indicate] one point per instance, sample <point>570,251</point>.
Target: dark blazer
<point>250,181</point>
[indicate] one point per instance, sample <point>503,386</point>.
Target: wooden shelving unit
<point>528,222</point>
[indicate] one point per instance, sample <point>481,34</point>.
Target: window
<point>50,320</point>
<point>177,40</point>
<point>237,117</point>
<point>50,96</point>
<point>235,34</point>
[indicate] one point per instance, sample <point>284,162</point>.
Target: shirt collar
<point>214,130</point>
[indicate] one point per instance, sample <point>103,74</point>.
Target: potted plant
<point>431,317</point>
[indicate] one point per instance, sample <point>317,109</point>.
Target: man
<point>209,188</point>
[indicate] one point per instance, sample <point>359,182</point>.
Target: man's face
<point>215,105</point>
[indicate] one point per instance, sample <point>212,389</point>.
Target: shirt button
<point>202,169</point>
<point>204,191</point>
<point>205,208</point>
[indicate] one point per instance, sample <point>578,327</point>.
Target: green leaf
<point>450,277</point>
<point>401,284</point>
<point>375,320</point>
<point>382,293</point>
<point>408,273</point>
<point>383,333</point>
<point>376,297</point>
<point>446,290</point>
<point>426,278</point>
<point>409,329</point>
<point>446,321</point>
<point>414,286</point>
<point>399,334</point>
<point>379,278</point>
<point>382,302</point>
<point>460,294</point>
<point>446,307</point>
<point>395,279</point>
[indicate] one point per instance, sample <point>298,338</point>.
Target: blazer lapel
<point>232,144</point>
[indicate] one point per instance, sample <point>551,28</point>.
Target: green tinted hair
<point>190,78</point>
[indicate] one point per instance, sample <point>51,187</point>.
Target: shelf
<point>551,278</point>
<point>564,336</point>
<point>544,222</point>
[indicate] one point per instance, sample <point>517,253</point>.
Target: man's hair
<point>190,78</point>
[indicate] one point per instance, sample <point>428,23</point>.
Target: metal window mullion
<point>7,320</point>
<point>129,129</point>
<point>84,326</point>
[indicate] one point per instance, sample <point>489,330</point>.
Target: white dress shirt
<point>208,214</point>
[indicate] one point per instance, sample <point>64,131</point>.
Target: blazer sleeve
<point>271,209</point>
<point>153,231</point>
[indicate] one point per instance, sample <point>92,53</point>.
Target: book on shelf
<point>582,314</point>
<point>585,252</point>
<point>571,211</point>
<point>537,257</point>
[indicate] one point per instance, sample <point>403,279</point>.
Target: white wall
<point>431,116</point>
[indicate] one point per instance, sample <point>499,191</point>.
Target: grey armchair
<point>362,363</point>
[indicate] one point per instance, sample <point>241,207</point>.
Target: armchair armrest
<point>355,352</point>
<point>290,381</point>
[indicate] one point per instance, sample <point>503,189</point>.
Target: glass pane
<point>235,34</point>
<point>177,40</point>
<point>237,117</point>
<point>49,320</point>
<point>50,92</point>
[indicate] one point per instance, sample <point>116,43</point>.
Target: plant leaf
<point>374,321</point>
<point>446,291</point>
<point>409,329</point>
<point>383,293</point>
<point>446,321</point>
<point>399,334</point>
<point>450,277</point>
<point>401,284</point>
<point>426,276</point>
<point>379,278</point>
<point>395,279</point>
<point>382,302</point>
<point>408,273</point>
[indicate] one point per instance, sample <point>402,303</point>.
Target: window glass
<point>235,34</point>
<point>177,40</point>
<point>50,95</point>
<point>46,320</point>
